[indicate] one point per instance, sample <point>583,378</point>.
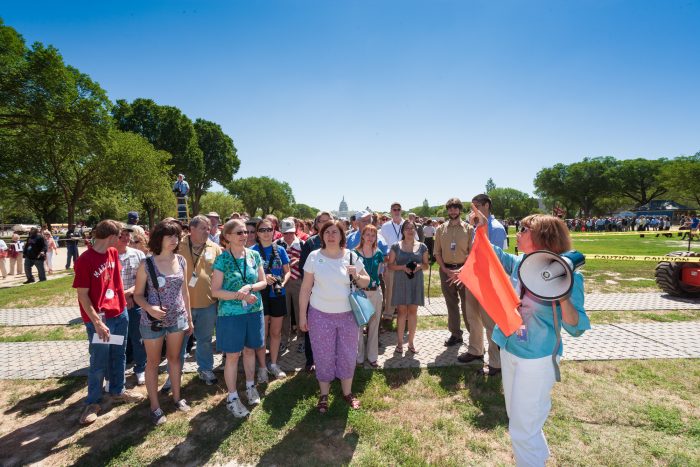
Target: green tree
<point>638,179</point>
<point>509,202</point>
<point>222,203</point>
<point>303,211</point>
<point>167,129</point>
<point>490,186</point>
<point>264,193</point>
<point>220,160</point>
<point>682,176</point>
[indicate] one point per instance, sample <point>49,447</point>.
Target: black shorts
<point>274,307</point>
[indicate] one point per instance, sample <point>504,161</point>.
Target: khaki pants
<point>3,271</point>
<point>455,299</point>
<point>291,290</point>
<point>389,286</point>
<point>371,347</point>
<point>478,320</point>
<point>17,265</point>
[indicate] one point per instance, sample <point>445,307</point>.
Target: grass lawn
<point>54,292</point>
<point>73,332</point>
<point>602,415</point>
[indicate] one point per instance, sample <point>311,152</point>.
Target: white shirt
<point>429,231</point>
<point>331,282</point>
<point>392,232</point>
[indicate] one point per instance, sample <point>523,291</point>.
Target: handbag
<point>362,308</point>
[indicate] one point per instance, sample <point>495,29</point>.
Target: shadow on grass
<point>51,398</point>
<point>312,438</point>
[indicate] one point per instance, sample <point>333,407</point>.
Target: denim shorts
<point>238,331</point>
<point>148,333</point>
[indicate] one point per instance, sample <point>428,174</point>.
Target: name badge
<point>182,323</point>
<point>193,280</point>
<point>453,246</point>
<point>208,256</point>
<point>109,294</point>
<point>161,282</point>
<point>521,333</point>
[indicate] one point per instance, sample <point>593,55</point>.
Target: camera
<point>156,324</point>
<point>277,285</point>
<point>412,266</point>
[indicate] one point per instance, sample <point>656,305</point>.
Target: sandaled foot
<point>412,349</point>
<point>352,401</point>
<point>374,364</point>
<point>399,350</point>
<point>322,405</point>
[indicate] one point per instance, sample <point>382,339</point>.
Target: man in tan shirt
<point>453,241</point>
<point>200,253</point>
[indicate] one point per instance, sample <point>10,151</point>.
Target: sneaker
<point>89,414</point>
<point>166,386</point>
<point>207,376</point>
<point>237,408</point>
<point>301,348</point>
<point>158,417</point>
<point>277,372</point>
<point>127,396</point>
<point>262,375</point>
<point>182,406</point>
<point>140,378</point>
<point>252,395</point>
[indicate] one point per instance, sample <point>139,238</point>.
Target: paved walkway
<point>594,302</point>
<point>38,360</point>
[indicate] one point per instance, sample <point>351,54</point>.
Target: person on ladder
<point>181,188</point>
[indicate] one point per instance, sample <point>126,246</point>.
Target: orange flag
<point>485,277</point>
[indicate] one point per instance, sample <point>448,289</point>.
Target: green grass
<point>54,292</point>
<point>73,332</point>
<point>603,413</point>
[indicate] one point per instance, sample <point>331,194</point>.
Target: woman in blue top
<point>237,280</point>
<point>277,273</point>
<point>526,355</point>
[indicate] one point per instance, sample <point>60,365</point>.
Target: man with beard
<point>453,241</point>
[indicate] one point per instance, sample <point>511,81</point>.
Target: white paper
<point>113,339</point>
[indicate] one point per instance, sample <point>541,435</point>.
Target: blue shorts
<point>238,331</point>
<point>148,333</point>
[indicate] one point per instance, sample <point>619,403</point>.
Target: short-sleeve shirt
<point>130,262</point>
<point>273,264</point>
<point>237,273</point>
<point>331,281</point>
<point>100,273</point>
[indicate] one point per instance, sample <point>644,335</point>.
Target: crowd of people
<point>260,284</point>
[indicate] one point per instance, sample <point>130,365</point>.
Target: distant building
<point>343,212</point>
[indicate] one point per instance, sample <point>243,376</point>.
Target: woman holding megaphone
<point>526,355</point>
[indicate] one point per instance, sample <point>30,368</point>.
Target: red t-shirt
<point>101,274</point>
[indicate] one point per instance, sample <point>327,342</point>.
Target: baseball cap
<point>362,214</point>
<point>288,226</point>
<point>132,217</point>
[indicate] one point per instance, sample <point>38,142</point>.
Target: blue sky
<point>398,100</point>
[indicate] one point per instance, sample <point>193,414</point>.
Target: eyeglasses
<point>265,229</point>
<point>524,229</point>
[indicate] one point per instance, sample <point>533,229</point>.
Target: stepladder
<point>183,213</point>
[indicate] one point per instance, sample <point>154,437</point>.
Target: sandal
<point>399,350</point>
<point>374,364</point>
<point>322,405</point>
<point>412,349</point>
<point>352,401</point>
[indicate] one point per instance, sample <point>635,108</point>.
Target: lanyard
<point>245,266</point>
<point>395,230</point>
<point>192,254</point>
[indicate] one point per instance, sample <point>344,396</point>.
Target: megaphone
<point>550,276</point>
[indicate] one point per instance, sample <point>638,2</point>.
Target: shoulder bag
<point>362,308</point>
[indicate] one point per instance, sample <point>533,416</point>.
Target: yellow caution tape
<point>656,259</point>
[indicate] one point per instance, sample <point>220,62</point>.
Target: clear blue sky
<point>398,100</point>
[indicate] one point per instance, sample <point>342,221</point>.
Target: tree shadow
<point>51,398</point>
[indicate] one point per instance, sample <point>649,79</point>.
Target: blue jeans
<point>107,360</point>
<point>39,263</point>
<point>204,320</point>
<point>138,351</point>
<point>72,252</point>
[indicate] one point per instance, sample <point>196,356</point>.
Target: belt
<point>371,289</point>
<point>453,266</point>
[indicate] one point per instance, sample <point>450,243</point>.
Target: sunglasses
<point>396,209</point>
<point>240,232</point>
<point>266,229</point>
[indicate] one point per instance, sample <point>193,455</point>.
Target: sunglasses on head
<point>265,229</point>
